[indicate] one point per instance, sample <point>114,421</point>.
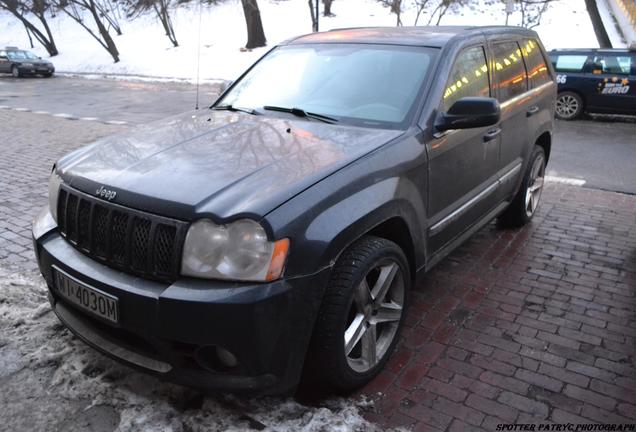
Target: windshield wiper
<point>298,112</point>
<point>229,107</point>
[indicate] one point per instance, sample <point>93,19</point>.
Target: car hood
<point>217,163</point>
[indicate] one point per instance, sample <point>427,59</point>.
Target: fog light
<point>226,358</point>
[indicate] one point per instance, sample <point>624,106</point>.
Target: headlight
<point>54,191</point>
<point>237,251</point>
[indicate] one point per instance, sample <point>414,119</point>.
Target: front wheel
<point>15,72</point>
<point>569,106</point>
<point>525,203</point>
<point>361,314</point>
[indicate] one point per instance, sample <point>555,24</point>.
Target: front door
<point>463,162</point>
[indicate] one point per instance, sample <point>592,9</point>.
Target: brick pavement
<point>526,326</point>
<point>30,144</point>
<point>530,325</point>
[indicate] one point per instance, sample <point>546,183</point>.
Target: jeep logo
<point>107,194</point>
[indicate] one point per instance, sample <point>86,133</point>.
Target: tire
<point>569,106</point>
<point>525,203</point>
<point>15,72</point>
<point>347,306</point>
<point>47,75</point>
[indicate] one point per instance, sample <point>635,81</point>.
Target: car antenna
<point>196,104</point>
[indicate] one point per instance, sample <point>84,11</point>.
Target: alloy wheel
<point>535,185</point>
<point>374,317</point>
<point>567,106</point>
<point>15,72</point>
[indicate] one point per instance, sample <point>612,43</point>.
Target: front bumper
<point>175,330</point>
<point>36,70</point>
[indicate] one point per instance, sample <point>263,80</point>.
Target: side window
<point>535,63</point>
<point>569,62</point>
<point>469,77</point>
<point>510,72</point>
<point>614,64</point>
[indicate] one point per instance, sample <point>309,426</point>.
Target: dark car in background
<point>599,81</point>
<point>283,228</point>
<point>21,62</point>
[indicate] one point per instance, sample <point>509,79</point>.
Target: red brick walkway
<point>523,326</point>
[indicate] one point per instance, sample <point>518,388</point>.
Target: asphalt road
<point>600,151</point>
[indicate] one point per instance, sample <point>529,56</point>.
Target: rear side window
<point>614,64</point>
<point>535,63</point>
<point>569,62</point>
<point>469,77</point>
<point>510,72</point>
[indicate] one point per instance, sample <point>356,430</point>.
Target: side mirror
<point>469,112</point>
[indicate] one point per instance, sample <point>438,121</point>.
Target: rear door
<point>462,163</point>
<point>511,89</point>
<point>614,90</point>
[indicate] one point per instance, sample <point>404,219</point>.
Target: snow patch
<point>147,54</point>
<point>33,340</point>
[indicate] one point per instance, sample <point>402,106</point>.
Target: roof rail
<point>11,48</point>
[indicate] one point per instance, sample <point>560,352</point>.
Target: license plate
<point>86,297</point>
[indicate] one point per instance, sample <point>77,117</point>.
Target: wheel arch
<point>545,142</point>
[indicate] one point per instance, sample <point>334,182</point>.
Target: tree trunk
<point>255,33</point>
<point>52,48</point>
<point>327,11</point>
<point>29,35</point>
<point>103,31</point>
<point>312,11</point>
<point>599,29</point>
<point>47,42</point>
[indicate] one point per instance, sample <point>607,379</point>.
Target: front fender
<point>325,219</point>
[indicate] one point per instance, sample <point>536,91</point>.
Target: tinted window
<point>510,71</point>
<point>612,64</point>
<point>569,62</point>
<point>535,63</point>
<point>469,77</point>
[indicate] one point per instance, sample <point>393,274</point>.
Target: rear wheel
<point>361,314</point>
<point>569,106</point>
<point>15,71</point>
<point>525,203</point>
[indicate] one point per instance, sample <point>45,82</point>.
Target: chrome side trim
<point>85,332</point>
<point>504,178</point>
<point>439,226</point>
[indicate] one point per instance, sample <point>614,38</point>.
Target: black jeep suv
<point>283,227</point>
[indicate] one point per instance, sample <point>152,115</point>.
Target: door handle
<point>532,111</point>
<point>492,134</point>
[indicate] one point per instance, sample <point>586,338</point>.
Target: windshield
<point>21,55</point>
<point>354,83</point>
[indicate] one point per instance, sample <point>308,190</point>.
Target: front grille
<point>133,241</point>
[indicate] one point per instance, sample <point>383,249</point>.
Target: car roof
<point>592,50</point>
<point>430,36</point>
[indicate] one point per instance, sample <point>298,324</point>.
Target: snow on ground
<point>52,381</point>
<point>146,51</point>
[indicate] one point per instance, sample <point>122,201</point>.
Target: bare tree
<point>599,28</point>
<point>162,9</point>
<point>420,6</point>
<point>255,33</point>
<point>314,18</point>
<point>38,8</point>
<point>327,10</point>
<point>396,8</point>
<point>110,12</point>
<point>76,9</point>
